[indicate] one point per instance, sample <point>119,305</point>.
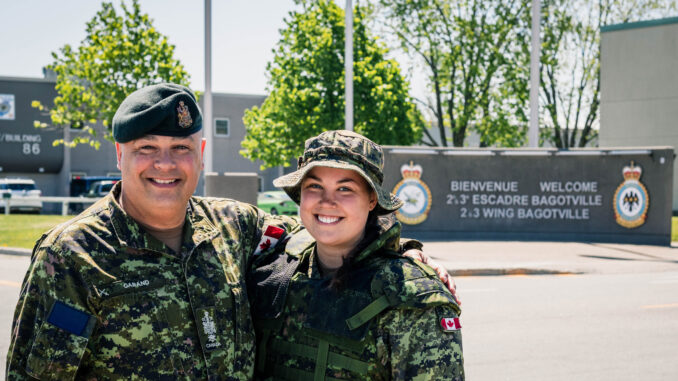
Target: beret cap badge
<point>184,116</point>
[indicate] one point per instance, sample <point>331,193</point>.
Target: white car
<point>19,192</point>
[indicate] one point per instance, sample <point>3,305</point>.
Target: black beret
<point>164,109</point>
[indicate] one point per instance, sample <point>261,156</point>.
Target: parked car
<point>100,188</point>
<point>81,185</point>
<point>19,192</point>
<point>277,202</point>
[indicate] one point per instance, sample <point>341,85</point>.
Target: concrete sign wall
<point>241,186</point>
<point>611,195</point>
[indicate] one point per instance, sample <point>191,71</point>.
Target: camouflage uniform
<point>384,324</point>
<point>103,299</point>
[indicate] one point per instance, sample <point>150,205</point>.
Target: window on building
<point>260,183</point>
<point>222,128</point>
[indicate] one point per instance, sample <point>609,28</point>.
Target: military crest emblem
<point>415,195</point>
<point>631,200</point>
<point>183,115</point>
<point>7,106</point>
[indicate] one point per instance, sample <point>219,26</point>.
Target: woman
<point>339,302</point>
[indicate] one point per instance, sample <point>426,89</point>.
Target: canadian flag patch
<point>270,237</point>
<point>450,324</point>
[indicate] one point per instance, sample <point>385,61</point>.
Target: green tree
<point>306,85</point>
<point>121,53</point>
<point>471,50</point>
<point>570,62</point>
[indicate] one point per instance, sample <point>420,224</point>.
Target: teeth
<point>164,181</point>
<point>328,219</point>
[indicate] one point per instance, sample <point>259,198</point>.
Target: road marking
<point>653,306</point>
<point>9,283</point>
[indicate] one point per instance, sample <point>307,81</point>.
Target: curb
<point>508,271</point>
<point>15,251</point>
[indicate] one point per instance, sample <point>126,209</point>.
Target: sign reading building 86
<point>30,143</point>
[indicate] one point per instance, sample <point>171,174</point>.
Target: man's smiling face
<point>159,172</point>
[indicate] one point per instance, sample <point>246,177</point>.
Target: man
<point>148,282</point>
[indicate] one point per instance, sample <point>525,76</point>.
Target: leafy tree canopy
<point>306,84</point>
<point>470,50</point>
<point>121,53</point>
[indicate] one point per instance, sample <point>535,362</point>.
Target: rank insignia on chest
<point>269,239</point>
<point>450,324</point>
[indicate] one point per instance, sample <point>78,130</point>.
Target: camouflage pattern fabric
<point>102,299</point>
<point>308,337</point>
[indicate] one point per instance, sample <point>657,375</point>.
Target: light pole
<point>533,132</point>
<point>348,69</point>
<point>207,103</point>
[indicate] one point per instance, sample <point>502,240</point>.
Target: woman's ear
<point>373,200</point>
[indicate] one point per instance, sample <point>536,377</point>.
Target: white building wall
<point>639,86</point>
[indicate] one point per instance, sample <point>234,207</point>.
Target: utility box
<point>240,186</point>
<point>588,195</point>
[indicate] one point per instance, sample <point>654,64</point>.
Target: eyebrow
<point>345,180</point>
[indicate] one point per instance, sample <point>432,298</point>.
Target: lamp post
<point>207,103</point>
<point>533,132</point>
<point>348,69</point>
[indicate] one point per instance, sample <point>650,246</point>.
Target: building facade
<point>639,86</point>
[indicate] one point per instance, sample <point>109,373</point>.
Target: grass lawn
<point>22,230</point>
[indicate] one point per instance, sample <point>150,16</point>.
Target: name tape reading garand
<point>138,284</point>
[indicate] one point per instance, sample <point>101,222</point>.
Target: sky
<point>244,32</point>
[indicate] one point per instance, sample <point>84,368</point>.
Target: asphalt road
<point>578,327</point>
<point>539,327</point>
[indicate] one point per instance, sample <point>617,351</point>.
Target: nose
<point>164,161</point>
<point>327,199</point>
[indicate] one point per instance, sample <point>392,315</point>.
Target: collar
<point>386,232</point>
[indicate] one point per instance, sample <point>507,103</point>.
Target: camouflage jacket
<point>385,323</point>
<point>102,299</point>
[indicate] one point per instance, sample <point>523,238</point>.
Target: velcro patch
<point>450,324</point>
<point>269,239</point>
<point>70,319</point>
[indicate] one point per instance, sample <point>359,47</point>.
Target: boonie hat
<point>165,109</point>
<point>345,150</point>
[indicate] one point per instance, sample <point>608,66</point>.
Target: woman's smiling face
<point>334,207</point>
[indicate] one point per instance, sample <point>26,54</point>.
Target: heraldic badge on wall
<point>414,193</point>
<point>631,200</point>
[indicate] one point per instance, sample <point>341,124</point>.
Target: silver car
<point>21,194</point>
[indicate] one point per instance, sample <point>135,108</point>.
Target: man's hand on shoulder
<point>440,270</point>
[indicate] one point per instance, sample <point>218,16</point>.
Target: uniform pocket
<point>134,337</point>
<point>55,354</point>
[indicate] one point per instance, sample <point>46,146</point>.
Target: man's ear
<point>373,200</point>
<point>118,154</point>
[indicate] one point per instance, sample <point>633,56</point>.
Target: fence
<point>65,201</point>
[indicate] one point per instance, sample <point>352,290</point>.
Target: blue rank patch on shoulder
<point>70,319</point>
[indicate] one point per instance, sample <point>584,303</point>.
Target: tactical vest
<point>334,319</point>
